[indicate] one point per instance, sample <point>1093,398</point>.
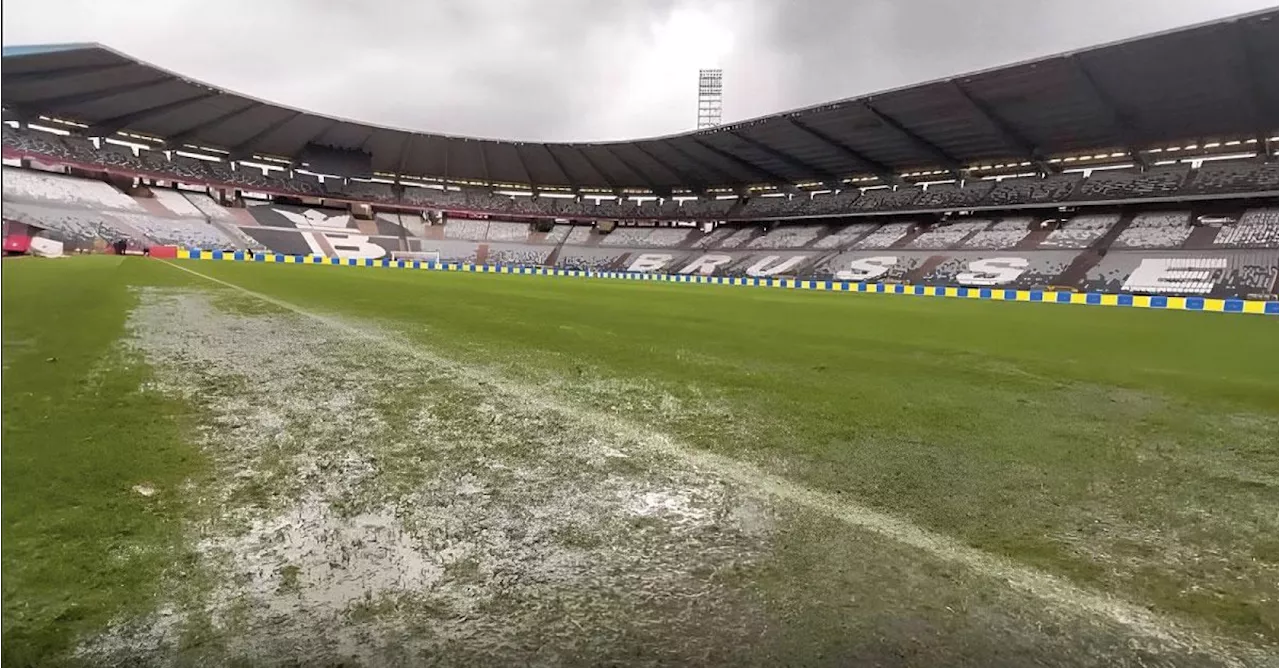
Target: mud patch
<point>350,524</point>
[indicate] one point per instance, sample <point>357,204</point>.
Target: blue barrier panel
<point>1233,306</point>
<point>1124,300</point>
<point>1194,304</point>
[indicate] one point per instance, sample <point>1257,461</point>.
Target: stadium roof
<point>1210,81</point>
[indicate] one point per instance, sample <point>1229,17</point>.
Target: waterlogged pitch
<point>236,463</point>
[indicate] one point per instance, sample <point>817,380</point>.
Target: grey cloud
<point>567,69</point>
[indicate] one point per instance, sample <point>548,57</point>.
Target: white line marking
<point>1049,588</point>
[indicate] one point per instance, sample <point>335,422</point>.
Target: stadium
<point>980,371</point>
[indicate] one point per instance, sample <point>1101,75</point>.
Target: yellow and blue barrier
<point>994,294</point>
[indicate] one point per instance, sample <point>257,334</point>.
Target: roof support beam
<point>945,159</point>
<point>484,162</point>
<point>649,183</point>
<point>595,167</point>
<point>876,167</point>
<point>568,180</point>
<point>726,176</point>
<point>1003,129</point>
<point>402,156</point>
<point>1124,128</point>
<point>528,175</point>
<point>771,177</point>
<point>681,175</point>
<point>245,148</point>
<point>110,126</point>
<point>52,102</point>
<point>187,134</point>
<point>819,173</point>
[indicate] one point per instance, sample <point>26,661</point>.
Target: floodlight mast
<point>710,97</point>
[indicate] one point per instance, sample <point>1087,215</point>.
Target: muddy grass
<point>378,507</point>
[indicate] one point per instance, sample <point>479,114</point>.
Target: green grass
<point>1131,451</point>
<point>79,545</point>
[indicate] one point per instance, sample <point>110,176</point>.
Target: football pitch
<point>231,463</point>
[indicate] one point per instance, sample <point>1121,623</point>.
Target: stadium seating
<point>528,256</point>
<point>1233,176</point>
<point>947,235</point>
<point>1007,233</point>
<point>77,229</point>
<point>186,233</point>
<point>365,191</point>
<point>884,199</point>
<point>1034,190</point>
<point>68,191</point>
<point>951,195</point>
<point>668,237</point>
<point>466,229</point>
<point>1248,274</point>
<point>579,235</point>
<point>509,232</point>
<point>593,259</point>
<point>787,236</point>
<point>844,236</point>
<point>208,207</point>
<point>832,203</point>
<point>739,237</point>
<point>1257,228</point>
<point>177,203</point>
<point>1081,231</point>
<point>1156,229</point>
<point>885,236</point>
<point>1113,184</point>
<point>1038,270</point>
<point>627,236</point>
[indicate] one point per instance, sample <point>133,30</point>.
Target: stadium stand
<point>1156,229</point>
<point>1233,176</point>
<point>1257,228</point>
<point>208,207</point>
<point>884,199</point>
<point>825,204</point>
<point>592,259</point>
<point>1037,270</point>
<point>1081,231</point>
<point>885,236</point>
<point>1112,184</point>
<point>177,203</point>
<point>504,231</point>
<point>517,255</point>
<point>951,195</point>
<point>364,191</point>
<point>185,233</point>
<point>25,184</point>
<point>739,237</point>
<point>627,236</point>
<point>77,229</point>
<point>1007,233</point>
<point>668,237</point>
<point>787,236</point>
<point>1034,190</point>
<point>579,235</point>
<point>947,235</point>
<point>1218,274</point>
<point>466,229</point>
<point>844,236</point>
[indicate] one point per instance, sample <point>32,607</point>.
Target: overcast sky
<point>580,70</point>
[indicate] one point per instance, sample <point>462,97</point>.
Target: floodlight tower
<point>710,96</point>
